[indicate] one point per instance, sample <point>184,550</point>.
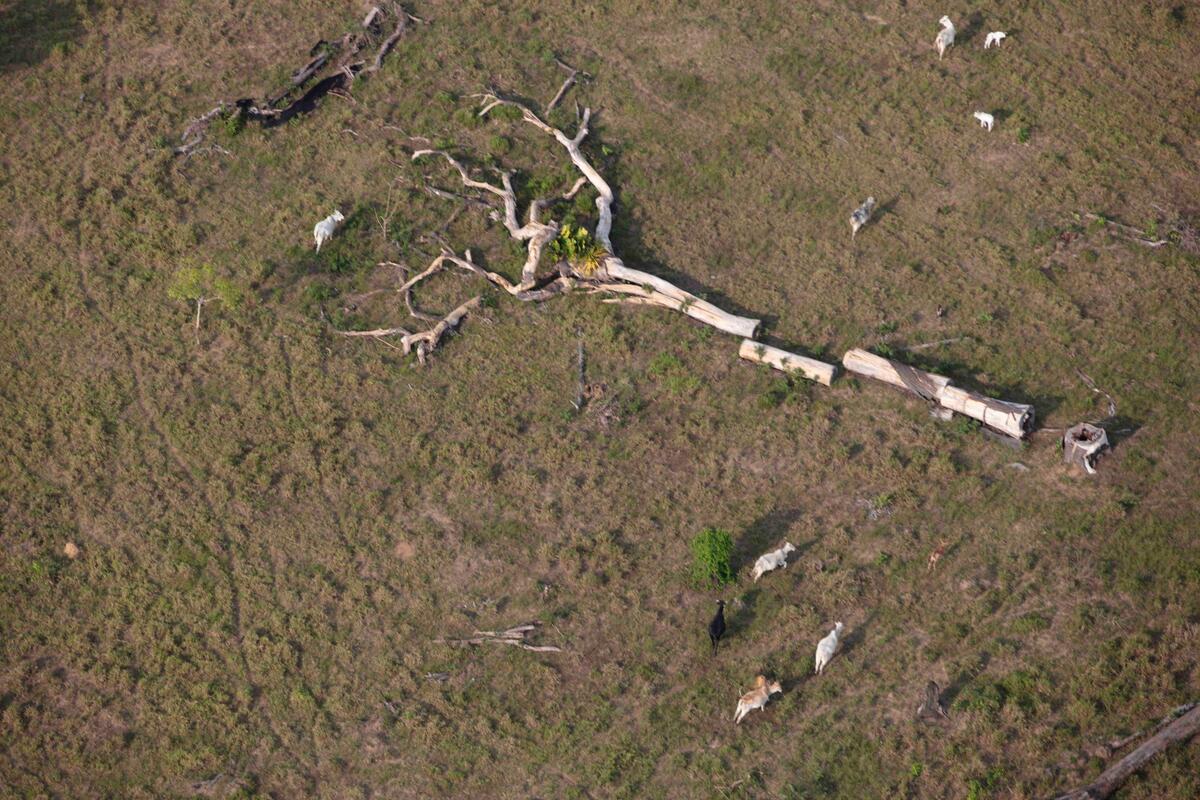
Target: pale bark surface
<point>539,280</point>
<point>790,363</point>
<point>1013,419</point>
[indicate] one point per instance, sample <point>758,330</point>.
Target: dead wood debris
<point>581,390</point>
<point>515,636</point>
<point>341,61</point>
<point>1180,725</point>
<point>606,273</point>
<point>573,77</point>
<point>1177,231</point>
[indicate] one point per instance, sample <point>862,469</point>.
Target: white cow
<point>323,230</point>
<point>772,560</point>
<point>994,38</point>
<point>861,215</point>
<point>945,36</point>
<point>985,119</point>
<point>827,647</point>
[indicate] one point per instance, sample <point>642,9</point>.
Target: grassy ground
<point>275,522</point>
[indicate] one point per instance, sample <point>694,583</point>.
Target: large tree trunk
<point>1182,729</point>
<point>790,363</point>
<point>1013,419</point>
<point>688,303</point>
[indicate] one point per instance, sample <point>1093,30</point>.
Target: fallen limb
<point>515,637</point>
<point>1012,419</point>
<point>341,73</point>
<point>790,363</point>
<point>605,271</point>
<point>927,345</point>
<point>1130,232</point>
<point>572,76</point>
<point>1180,725</point>
<point>427,341</point>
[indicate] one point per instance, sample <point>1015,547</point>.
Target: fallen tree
<point>558,259</point>
<point>1013,419</point>
<point>514,636</point>
<point>343,59</point>
<point>1180,725</point>
<point>790,363</point>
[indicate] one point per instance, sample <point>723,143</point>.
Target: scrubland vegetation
<point>275,522</point>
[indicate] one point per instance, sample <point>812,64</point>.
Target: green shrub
<point>577,247</point>
<point>234,122</point>
<point>499,145</point>
<point>712,554</point>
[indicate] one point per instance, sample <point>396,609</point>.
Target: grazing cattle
<point>772,560</point>
<point>827,647</point>
<point>985,119</point>
<point>945,37</point>
<point>861,215</point>
<point>994,38</point>
<point>324,229</point>
<point>716,628</point>
<point>756,697</point>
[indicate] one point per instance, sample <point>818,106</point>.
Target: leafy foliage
<point>577,247</point>
<point>712,555</point>
<point>193,283</point>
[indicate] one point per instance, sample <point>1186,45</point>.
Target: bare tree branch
<point>572,77</point>
<point>515,636</point>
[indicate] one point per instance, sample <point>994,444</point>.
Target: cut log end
<point>1083,444</point>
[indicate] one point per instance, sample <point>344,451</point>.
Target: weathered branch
<point>426,342</point>
<point>1013,419</point>
<point>515,636</point>
<point>1130,232</point>
<point>572,76</point>
<point>378,333</point>
<point>1180,725</point>
<point>790,363</point>
<point>340,75</point>
<point>579,392</point>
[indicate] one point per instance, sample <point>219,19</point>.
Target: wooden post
<point>1083,444</point>
<point>1013,419</point>
<point>790,363</point>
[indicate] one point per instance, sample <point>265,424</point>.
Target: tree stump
<point>1083,444</point>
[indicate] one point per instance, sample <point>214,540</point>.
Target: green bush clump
<point>712,557</point>
<point>577,247</point>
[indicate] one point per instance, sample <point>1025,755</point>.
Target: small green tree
<point>201,285</point>
<point>712,557</point>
